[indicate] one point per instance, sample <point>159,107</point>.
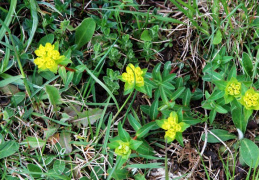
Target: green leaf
<point>35,21</point>
<point>216,94</point>
<point>145,149</point>
<point>35,142</point>
<point>247,64</point>
<point>237,115</point>
<point>190,120</point>
<point>221,134</point>
<point>153,111</point>
<point>10,80</point>
<point>123,134</point>
<point>217,38</point>
<point>249,152</point>
<point>134,123</point>
<point>8,148</point>
<point>156,74</point>
<point>49,38</point>
<point>35,170</point>
<point>134,144</point>
<point>53,95</point>
<point>187,97</point>
<point>145,109</point>
<point>220,109</point>
<point>59,166</point>
<point>145,166</point>
<point>212,115</point>
<point>119,174</point>
<point>139,177</point>
<point>63,74</point>
<point>179,138</point>
<point>177,93</point>
<point>145,36</point>
<point>84,32</point>
<point>145,129</point>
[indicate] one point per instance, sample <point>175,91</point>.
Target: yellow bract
<point>172,126</point>
<point>234,88</point>
<point>250,100</point>
<point>123,149</point>
<point>48,58</point>
<point>128,76</point>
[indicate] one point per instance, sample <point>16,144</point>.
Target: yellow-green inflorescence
<point>233,88</point>
<point>128,76</point>
<point>171,126</point>
<point>250,100</point>
<point>123,149</point>
<point>48,58</point>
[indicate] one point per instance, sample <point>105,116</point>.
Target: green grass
<point>74,123</point>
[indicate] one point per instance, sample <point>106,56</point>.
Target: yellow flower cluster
<point>123,149</point>
<point>48,57</point>
<point>128,77</point>
<point>251,99</point>
<point>234,88</point>
<point>172,126</point>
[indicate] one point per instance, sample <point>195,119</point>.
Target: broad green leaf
<point>220,109</point>
<point>53,95</point>
<point>133,122</point>
<point>249,152</point>
<point>145,109</point>
<point>8,148</point>
<point>134,144</point>
<point>145,149</point>
<point>212,115</point>
<point>177,93</point>
<point>10,80</point>
<point>63,74</point>
<point>247,64</point>
<point>216,94</point>
<point>59,166</point>
<point>49,38</point>
<point>34,170</point>
<point>145,36</point>
<point>145,129</point>
<point>217,38</point>
<point>190,120</point>
<point>237,115</point>
<point>163,95</point>
<point>153,112</point>
<point>187,97</point>
<point>123,134</point>
<point>221,134</point>
<point>84,32</point>
<point>156,74</point>
<point>35,142</point>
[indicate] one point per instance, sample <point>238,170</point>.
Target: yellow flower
<point>128,76</point>
<point>234,88</point>
<point>123,149</point>
<point>250,100</point>
<point>170,134</point>
<point>172,126</point>
<point>48,58</point>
